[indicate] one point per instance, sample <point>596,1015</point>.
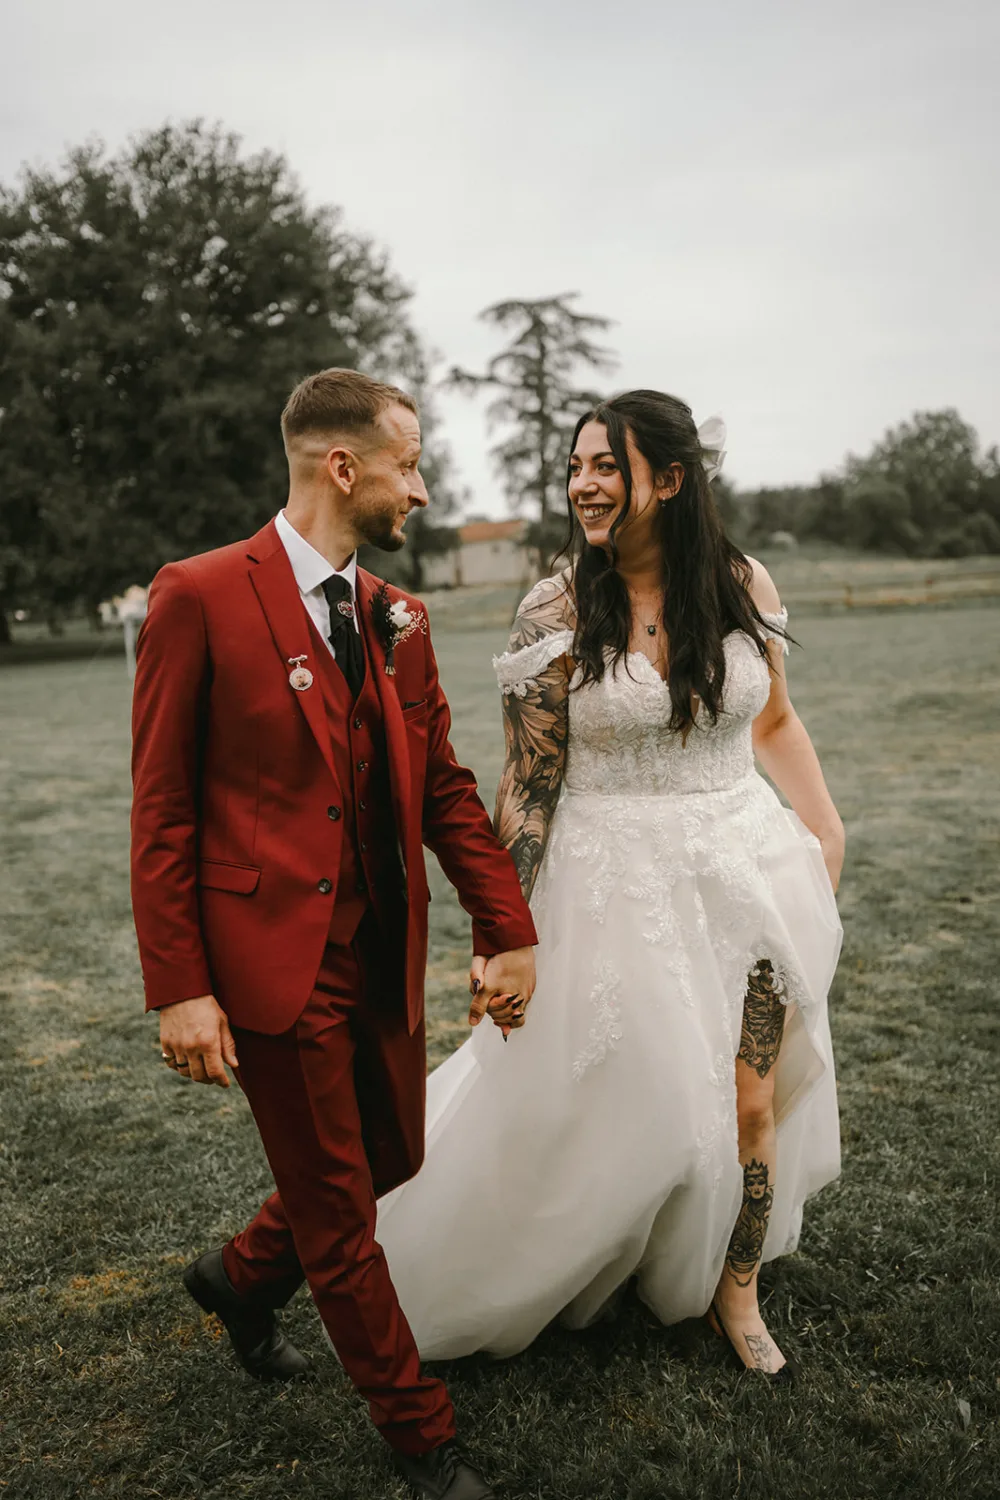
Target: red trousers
<point>312,1090</point>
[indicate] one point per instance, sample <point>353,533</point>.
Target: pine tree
<point>537,398</point>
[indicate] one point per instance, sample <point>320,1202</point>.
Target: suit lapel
<point>274,582</point>
<point>392,715</point>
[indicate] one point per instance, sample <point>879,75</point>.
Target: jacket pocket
<point>413,711</point>
<point>217,875</point>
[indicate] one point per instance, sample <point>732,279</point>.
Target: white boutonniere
<point>394,622</point>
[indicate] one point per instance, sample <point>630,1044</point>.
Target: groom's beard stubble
<point>379,527</point>
<point>385,538</point>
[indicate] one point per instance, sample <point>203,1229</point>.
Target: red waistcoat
<point>370,871</point>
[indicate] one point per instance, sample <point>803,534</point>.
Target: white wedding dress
<point>600,1142</point>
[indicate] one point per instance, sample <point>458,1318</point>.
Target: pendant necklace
<point>649,629</point>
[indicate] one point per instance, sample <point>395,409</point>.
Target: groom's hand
<point>196,1041</point>
<point>502,986</point>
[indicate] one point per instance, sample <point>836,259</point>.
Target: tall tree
<point>155,309</point>
<point>536,396</point>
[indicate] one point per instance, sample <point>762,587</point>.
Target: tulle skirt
<point>600,1142</point>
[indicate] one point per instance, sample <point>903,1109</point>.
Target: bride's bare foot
<point>747,1333</point>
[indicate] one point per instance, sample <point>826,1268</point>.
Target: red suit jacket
<point>233,853</point>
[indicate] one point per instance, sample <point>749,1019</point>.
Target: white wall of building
<point>471,563</point>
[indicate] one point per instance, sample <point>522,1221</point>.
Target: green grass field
<point>114,1173</point>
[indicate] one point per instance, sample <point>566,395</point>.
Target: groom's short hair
<point>339,402</point>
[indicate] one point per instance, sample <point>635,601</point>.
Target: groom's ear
<point>341,466</point>
<point>315,455</point>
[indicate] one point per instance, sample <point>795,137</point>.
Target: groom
<point>290,758</point>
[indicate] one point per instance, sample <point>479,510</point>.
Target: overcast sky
<point>791,210</point>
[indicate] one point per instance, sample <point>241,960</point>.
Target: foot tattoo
<point>760,1347</point>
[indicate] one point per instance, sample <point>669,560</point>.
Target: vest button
<point>362,765</point>
<point>359,724</point>
<point>333,813</point>
<point>364,847</point>
<point>363,806</point>
<point>325,886</point>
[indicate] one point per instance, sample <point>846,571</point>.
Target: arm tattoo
<point>747,1244</point>
<point>763,1019</point>
<point>536,729</point>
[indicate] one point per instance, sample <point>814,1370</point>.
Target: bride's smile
<point>596,487</point>
<point>601,497</point>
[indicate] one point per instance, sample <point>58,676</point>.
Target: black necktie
<point>344,638</point>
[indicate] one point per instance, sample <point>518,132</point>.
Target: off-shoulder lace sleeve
<point>534,675</point>
<point>542,633</point>
<point>775,627</point>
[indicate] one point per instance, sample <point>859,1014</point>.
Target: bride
<point>672,1103</point>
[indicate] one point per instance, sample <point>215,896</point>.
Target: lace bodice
<point>618,740</point>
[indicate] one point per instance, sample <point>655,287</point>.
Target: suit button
<point>333,813</point>
<point>362,765</point>
<point>363,806</point>
<point>364,847</point>
<point>325,886</point>
<point>358,724</point>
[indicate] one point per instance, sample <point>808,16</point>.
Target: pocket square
<point>417,703</point>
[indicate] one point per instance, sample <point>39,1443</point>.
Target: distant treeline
<point>156,306</point>
<point>925,490</point>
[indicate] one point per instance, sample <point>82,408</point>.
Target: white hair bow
<point>712,437</point>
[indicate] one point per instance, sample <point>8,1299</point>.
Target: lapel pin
<point>346,608</point>
<point>300,677</point>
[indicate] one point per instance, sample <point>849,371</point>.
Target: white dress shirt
<point>311,571</point>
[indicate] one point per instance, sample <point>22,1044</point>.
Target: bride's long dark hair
<point>705,577</point>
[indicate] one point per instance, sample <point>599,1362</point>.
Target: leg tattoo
<point>763,1019</point>
<point>747,1244</point>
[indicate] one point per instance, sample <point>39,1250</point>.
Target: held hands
<point>195,1040</point>
<point>501,987</point>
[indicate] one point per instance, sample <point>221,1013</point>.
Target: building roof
<point>491,531</point>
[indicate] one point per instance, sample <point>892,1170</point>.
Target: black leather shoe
<point>261,1347</point>
<point>444,1474</point>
